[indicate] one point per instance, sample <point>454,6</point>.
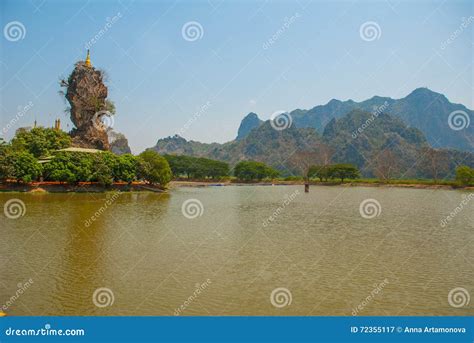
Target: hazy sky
<point>239,56</point>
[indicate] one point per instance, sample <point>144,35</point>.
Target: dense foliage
<point>18,165</point>
<point>104,168</point>
<point>19,161</point>
<point>465,175</point>
<point>153,168</point>
<point>197,167</point>
<point>254,171</point>
<point>336,171</point>
<point>40,141</point>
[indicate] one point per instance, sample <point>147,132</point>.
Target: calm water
<point>229,260</point>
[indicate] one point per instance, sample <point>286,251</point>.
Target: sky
<point>198,67</point>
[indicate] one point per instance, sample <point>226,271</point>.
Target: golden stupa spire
<point>88,59</point>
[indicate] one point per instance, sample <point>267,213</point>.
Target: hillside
<point>423,109</point>
<point>385,146</point>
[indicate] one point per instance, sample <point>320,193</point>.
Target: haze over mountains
<point>369,134</point>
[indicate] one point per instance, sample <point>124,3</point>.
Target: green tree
<point>343,171</point>
<point>465,175</point>
<point>153,168</point>
<point>40,141</point>
<point>70,167</point>
<point>6,167</point>
<point>126,168</point>
<point>196,167</point>
<point>22,166</point>
<point>102,171</point>
<point>321,172</point>
<point>251,170</point>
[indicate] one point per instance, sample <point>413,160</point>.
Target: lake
<point>239,250</point>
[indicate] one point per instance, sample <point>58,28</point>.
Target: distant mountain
<point>263,143</point>
<point>380,135</point>
<point>118,143</point>
<point>359,137</point>
<point>385,142</point>
<point>423,109</point>
<point>250,122</point>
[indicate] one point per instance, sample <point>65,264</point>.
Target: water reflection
<point>317,246</point>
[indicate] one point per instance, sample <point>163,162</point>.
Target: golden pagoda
<point>88,59</point>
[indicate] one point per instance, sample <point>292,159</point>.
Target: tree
<point>40,141</point>
<point>386,165</point>
<point>6,167</point>
<point>465,175</point>
<point>126,168</point>
<point>153,168</point>
<point>251,170</point>
<point>434,162</point>
<point>197,167</point>
<point>70,167</point>
<point>103,167</point>
<point>302,161</point>
<point>321,172</point>
<point>22,166</point>
<point>344,171</point>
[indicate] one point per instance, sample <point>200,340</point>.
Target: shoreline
<point>180,184</point>
<point>87,187</point>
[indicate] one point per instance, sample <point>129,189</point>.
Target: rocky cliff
<point>87,96</point>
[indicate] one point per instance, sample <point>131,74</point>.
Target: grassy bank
<point>406,183</point>
<point>93,187</point>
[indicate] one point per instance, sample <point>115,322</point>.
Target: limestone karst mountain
<point>423,109</point>
<point>118,143</point>
<point>376,134</point>
<point>250,122</point>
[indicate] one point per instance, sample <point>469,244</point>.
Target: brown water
<point>229,260</point>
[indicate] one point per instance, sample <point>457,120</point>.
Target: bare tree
<point>434,162</point>
<point>301,161</point>
<point>386,165</point>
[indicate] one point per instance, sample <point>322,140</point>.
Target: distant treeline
<point>196,167</point>
<point>334,171</point>
<point>204,168</point>
<point>35,154</point>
